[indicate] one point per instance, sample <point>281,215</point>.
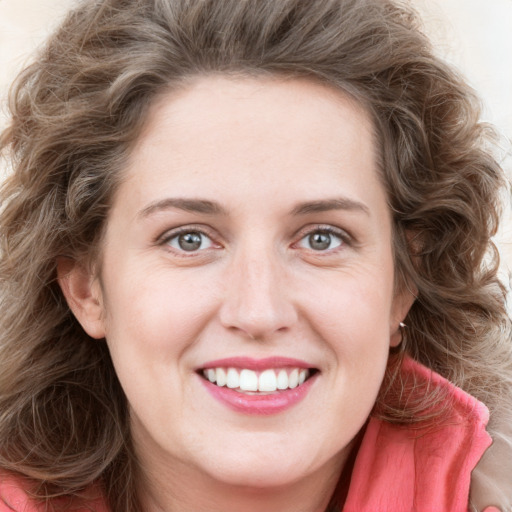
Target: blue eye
<point>321,240</point>
<point>190,241</point>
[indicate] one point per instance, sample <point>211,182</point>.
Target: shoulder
<point>427,465</point>
<point>491,481</point>
<point>14,496</point>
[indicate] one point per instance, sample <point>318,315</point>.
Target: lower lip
<point>259,404</point>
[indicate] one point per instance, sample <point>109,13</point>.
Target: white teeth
<point>221,377</point>
<point>293,379</point>
<point>268,381</point>
<point>232,379</point>
<point>248,380</point>
<point>282,380</point>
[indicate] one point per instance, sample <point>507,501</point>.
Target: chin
<point>258,478</point>
<point>257,472</point>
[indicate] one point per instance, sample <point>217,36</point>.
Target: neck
<point>312,494</point>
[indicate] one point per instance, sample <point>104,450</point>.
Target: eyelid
<point>169,234</point>
<point>345,237</point>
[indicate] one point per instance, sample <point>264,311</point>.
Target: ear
<point>83,295</point>
<point>402,302</point>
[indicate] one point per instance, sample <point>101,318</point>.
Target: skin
<point>260,149</point>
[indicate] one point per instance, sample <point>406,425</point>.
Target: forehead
<point>254,135</point>
<point>205,103</point>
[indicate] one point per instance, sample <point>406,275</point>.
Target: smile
<point>258,386</point>
<point>267,381</point>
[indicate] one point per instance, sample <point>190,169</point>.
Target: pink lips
<point>257,364</point>
<point>258,404</point>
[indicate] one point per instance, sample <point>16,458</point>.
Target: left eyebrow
<point>340,203</point>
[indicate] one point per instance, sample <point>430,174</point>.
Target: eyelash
<point>344,237</point>
<point>168,236</point>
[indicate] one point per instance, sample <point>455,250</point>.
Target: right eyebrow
<point>204,206</point>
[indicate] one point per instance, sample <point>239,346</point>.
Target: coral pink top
<point>427,469</point>
<point>397,468</point>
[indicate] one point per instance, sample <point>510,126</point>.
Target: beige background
<point>474,35</point>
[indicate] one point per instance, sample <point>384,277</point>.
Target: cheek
<point>355,302</point>
<point>156,312</point>
<point>354,322</point>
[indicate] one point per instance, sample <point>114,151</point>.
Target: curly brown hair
<point>76,112</point>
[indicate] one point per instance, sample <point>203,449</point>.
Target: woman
<point>246,261</point>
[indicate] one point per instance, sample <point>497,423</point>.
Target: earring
<point>397,339</point>
<point>401,328</point>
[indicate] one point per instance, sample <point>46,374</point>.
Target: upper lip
<point>256,364</point>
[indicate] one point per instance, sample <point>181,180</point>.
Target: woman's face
<point>250,245</point>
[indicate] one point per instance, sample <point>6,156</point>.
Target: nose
<point>257,299</point>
